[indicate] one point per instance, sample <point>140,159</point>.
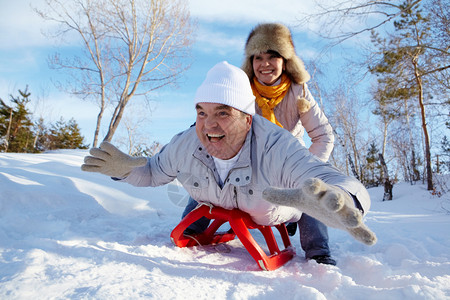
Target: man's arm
<point>328,204</point>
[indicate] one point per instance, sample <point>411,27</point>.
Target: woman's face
<point>268,67</point>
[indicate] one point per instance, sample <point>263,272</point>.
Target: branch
<point>346,13</point>
<point>434,71</point>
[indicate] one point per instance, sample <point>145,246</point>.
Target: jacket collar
<point>241,174</point>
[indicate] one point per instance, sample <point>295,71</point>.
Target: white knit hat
<point>229,85</point>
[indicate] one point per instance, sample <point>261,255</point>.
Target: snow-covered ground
<point>68,234</point>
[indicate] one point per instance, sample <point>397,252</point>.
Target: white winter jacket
<point>270,156</point>
<point>314,121</point>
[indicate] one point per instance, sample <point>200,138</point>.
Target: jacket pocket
<point>195,186</point>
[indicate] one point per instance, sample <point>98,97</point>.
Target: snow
<point>68,234</point>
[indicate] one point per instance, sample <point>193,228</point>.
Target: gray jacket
<point>270,156</point>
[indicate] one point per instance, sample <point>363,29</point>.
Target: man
<point>233,158</point>
<point>279,79</point>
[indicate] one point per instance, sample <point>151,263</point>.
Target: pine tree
<point>41,140</point>
<point>64,135</point>
<point>372,177</point>
<point>16,125</point>
<point>18,133</point>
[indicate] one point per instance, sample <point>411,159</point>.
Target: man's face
<point>221,129</point>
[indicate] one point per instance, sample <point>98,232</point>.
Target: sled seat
<point>240,223</point>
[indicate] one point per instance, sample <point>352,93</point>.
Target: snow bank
<point>69,234</point>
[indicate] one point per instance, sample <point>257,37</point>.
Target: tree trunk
<point>415,172</point>
<point>424,127</point>
<point>355,162</point>
<point>438,165</point>
<point>102,99</point>
<point>117,117</point>
<point>8,131</point>
<point>385,132</point>
<point>97,127</point>
<point>386,181</point>
<point>349,157</point>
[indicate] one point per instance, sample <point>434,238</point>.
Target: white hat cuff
<point>229,85</point>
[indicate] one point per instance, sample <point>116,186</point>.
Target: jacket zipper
<point>235,197</point>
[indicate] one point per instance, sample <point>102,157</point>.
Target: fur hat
<point>275,37</point>
<point>229,85</point>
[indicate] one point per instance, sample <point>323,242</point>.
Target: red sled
<point>240,223</point>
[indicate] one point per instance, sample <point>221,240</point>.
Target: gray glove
<point>328,204</point>
<point>111,161</point>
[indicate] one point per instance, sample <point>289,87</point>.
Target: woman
<point>278,79</point>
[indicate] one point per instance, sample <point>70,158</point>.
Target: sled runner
<point>240,223</point>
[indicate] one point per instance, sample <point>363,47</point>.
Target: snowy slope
<point>69,234</point>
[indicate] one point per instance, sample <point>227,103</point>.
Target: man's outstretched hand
<point>328,204</point>
<point>111,161</point>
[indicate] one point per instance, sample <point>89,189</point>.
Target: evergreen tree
<point>445,156</point>
<point>372,177</point>
<point>16,125</point>
<point>19,134</point>
<point>41,141</point>
<point>64,135</point>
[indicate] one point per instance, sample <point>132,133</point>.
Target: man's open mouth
<point>214,137</point>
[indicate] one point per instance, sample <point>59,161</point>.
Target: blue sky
<point>222,29</point>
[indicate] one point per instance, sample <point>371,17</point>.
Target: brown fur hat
<point>275,37</point>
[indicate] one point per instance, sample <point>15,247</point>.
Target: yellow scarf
<point>267,97</point>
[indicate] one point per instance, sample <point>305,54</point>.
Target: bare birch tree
<point>130,48</point>
<point>346,121</point>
